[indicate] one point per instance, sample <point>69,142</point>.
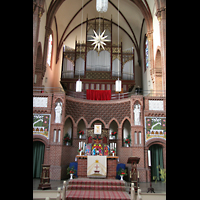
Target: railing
<point>47,89</point>
<point>115,96</point>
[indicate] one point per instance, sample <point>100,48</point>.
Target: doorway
<point>38,158</point>
<point>156,161</point>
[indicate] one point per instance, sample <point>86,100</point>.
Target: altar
<point>111,166</point>
<point>97,155</point>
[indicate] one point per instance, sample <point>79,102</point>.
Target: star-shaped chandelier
<point>99,40</point>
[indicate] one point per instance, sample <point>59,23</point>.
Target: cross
<point>97,166</point>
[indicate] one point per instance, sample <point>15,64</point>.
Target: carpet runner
<point>90,189</point>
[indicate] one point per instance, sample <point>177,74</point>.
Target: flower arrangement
<point>114,134</point>
<point>128,139</point>
<point>122,172</point>
<point>80,132</point>
<point>71,170</point>
<point>80,149</point>
<point>66,138</point>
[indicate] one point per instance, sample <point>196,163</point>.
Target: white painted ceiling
<point>70,7</point>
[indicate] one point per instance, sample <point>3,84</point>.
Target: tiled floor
<point>159,187</point>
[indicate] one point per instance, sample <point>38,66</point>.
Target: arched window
<point>49,50</point>
<point>146,54</point>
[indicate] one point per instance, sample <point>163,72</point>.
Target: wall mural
<point>41,124</point>
<point>155,127</point>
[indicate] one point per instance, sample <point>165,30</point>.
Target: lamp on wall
<point>101,5</point>
<point>79,86</point>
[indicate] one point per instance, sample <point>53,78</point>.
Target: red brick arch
<point>90,124</point>
<point>113,119</point>
<point>153,141</point>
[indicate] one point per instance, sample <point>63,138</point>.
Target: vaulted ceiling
<point>68,14</point>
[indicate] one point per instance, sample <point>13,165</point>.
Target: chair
<point>123,166</point>
<point>75,165</point>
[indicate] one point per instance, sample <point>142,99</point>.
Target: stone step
<point>105,182</point>
<point>96,187</point>
<point>96,195</point>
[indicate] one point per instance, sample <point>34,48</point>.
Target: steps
<point>84,188</point>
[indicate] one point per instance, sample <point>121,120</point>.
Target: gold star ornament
<point>99,40</point>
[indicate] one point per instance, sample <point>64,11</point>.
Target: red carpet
<point>96,189</point>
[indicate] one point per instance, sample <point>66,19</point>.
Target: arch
<point>158,70</point>
<point>113,128</point>
<point>126,130</point>
<point>39,56</point>
<point>113,119</point>
<point>38,68</point>
<point>86,124</point>
<point>58,99</point>
<point>95,119</point>
<point>69,116</point>
<point>69,128</point>
<point>153,141</point>
<point>42,139</point>
<point>126,118</point>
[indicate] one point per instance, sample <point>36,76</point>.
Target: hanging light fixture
<point>79,85</point>
<point>101,5</point>
<point>118,83</point>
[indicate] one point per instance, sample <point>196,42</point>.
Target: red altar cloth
<point>98,94</point>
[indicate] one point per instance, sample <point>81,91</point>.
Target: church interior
<point>99,89</point>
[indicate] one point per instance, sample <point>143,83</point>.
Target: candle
<point>79,145</point>
<point>83,146</point>
<point>115,145</point>
<point>149,158</point>
<point>138,174</point>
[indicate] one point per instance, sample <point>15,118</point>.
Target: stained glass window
<point>147,53</point>
<point>49,50</point>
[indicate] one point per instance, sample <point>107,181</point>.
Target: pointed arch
<point>95,119</point>
<point>113,119</point>
<point>69,116</point>
<point>86,123</point>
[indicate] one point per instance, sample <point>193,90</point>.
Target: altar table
<point>111,166</point>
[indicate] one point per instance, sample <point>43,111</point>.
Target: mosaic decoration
<point>155,127</point>
<point>41,124</point>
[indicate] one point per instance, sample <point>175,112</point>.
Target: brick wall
<point>91,110</point>
<point>59,156</point>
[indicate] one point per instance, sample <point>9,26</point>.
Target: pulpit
<point>133,173</point>
<point>44,178</point>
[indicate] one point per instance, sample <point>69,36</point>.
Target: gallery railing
<point>114,96</point>
<point>47,89</point>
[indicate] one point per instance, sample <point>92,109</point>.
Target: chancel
<point>99,91</point>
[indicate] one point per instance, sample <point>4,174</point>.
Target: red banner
<point>98,94</point>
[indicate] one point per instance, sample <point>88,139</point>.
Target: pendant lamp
<point>78,86</point>
<point>118,85</point>
<point>101,5</point>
